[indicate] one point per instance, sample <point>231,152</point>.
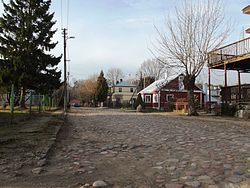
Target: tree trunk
<point>22,98</point>
<point>191,103</point>
<point>189,83</point>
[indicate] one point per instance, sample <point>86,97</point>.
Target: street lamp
<point>65,38</point>
<point>246,10</point>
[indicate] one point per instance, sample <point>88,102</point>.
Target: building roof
<point>162,83</point>
<point>125,84</point>
<point>158,84</point>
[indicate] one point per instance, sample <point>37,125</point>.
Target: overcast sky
<point>118,33</point>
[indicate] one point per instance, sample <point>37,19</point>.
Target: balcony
<point>235,56</point>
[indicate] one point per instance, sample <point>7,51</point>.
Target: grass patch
<point>30,127</point>
<point>17,116</point>
<point>151,110</point>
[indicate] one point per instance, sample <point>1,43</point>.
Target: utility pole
<point>68,89</point>
<point>65,72</point>
<point>65,38</point>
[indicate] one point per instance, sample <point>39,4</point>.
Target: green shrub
<point>169,106</point>
<point>125,105</point>
<point>228,109</point>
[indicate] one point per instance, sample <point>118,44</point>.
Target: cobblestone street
<point>127,149</point>
<point>144,150</point>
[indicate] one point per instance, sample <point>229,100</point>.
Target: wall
<point>125,95</point>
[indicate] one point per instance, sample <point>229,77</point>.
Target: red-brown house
<point>169,94</point>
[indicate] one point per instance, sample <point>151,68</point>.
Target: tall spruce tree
<point>25,44</point>
<point>101,88</point>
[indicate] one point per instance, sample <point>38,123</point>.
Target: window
<point>181,85</point>
<point>147,98</point>
<point>155,98</point>
<point>120,89</point>
<point>170,97</point>
<point>131,90</point>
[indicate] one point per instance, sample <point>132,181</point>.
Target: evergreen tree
<point>101,88</point>
<point>25,42</point>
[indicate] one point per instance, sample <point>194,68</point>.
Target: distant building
<point>123,93</point>
<point>75,103</point>
<point>169,94</point>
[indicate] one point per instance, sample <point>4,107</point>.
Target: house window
<point>170,97</point>
<point>131,90</point>
<point>181,85</point>
<point>155,98</point>
<point>120,89</point>
<point>147,98</point>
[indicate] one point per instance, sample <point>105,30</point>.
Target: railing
<point>230,52</point>
<point>234,94</point>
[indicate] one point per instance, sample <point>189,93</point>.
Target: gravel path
<point>24,148</point>
<point>127,149</point>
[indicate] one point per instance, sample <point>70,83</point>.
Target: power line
<point>61,14</point>
<point>80,74</point>
<point>63,9</point>
<point>67,14</point>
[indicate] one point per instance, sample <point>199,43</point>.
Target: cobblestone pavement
<point>127,149</point>
<point>136,150</point>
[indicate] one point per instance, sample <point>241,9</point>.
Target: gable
<point>173,84</point>
<point>177,84</point>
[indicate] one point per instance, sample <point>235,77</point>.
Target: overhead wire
<point>67,28</point>
<point>61,14</point>
<point>80,74</point>
<point>63,9</point>
<point>67,14</point>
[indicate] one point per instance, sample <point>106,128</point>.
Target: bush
<point>117,104</point>
<point>228,109</point>
<point>125,105</point>
<point>169,106</point>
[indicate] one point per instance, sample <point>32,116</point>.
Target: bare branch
<point>198,27</point>
<point>114,75</point>
<point>152,68</point>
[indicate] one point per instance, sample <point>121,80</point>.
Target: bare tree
<point>152,68</point>
<point>113,75</point>
<point>197,28</point>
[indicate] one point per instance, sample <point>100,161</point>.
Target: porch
<point>234,57</point>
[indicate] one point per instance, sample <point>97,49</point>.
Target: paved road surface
<point>127,149</point>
